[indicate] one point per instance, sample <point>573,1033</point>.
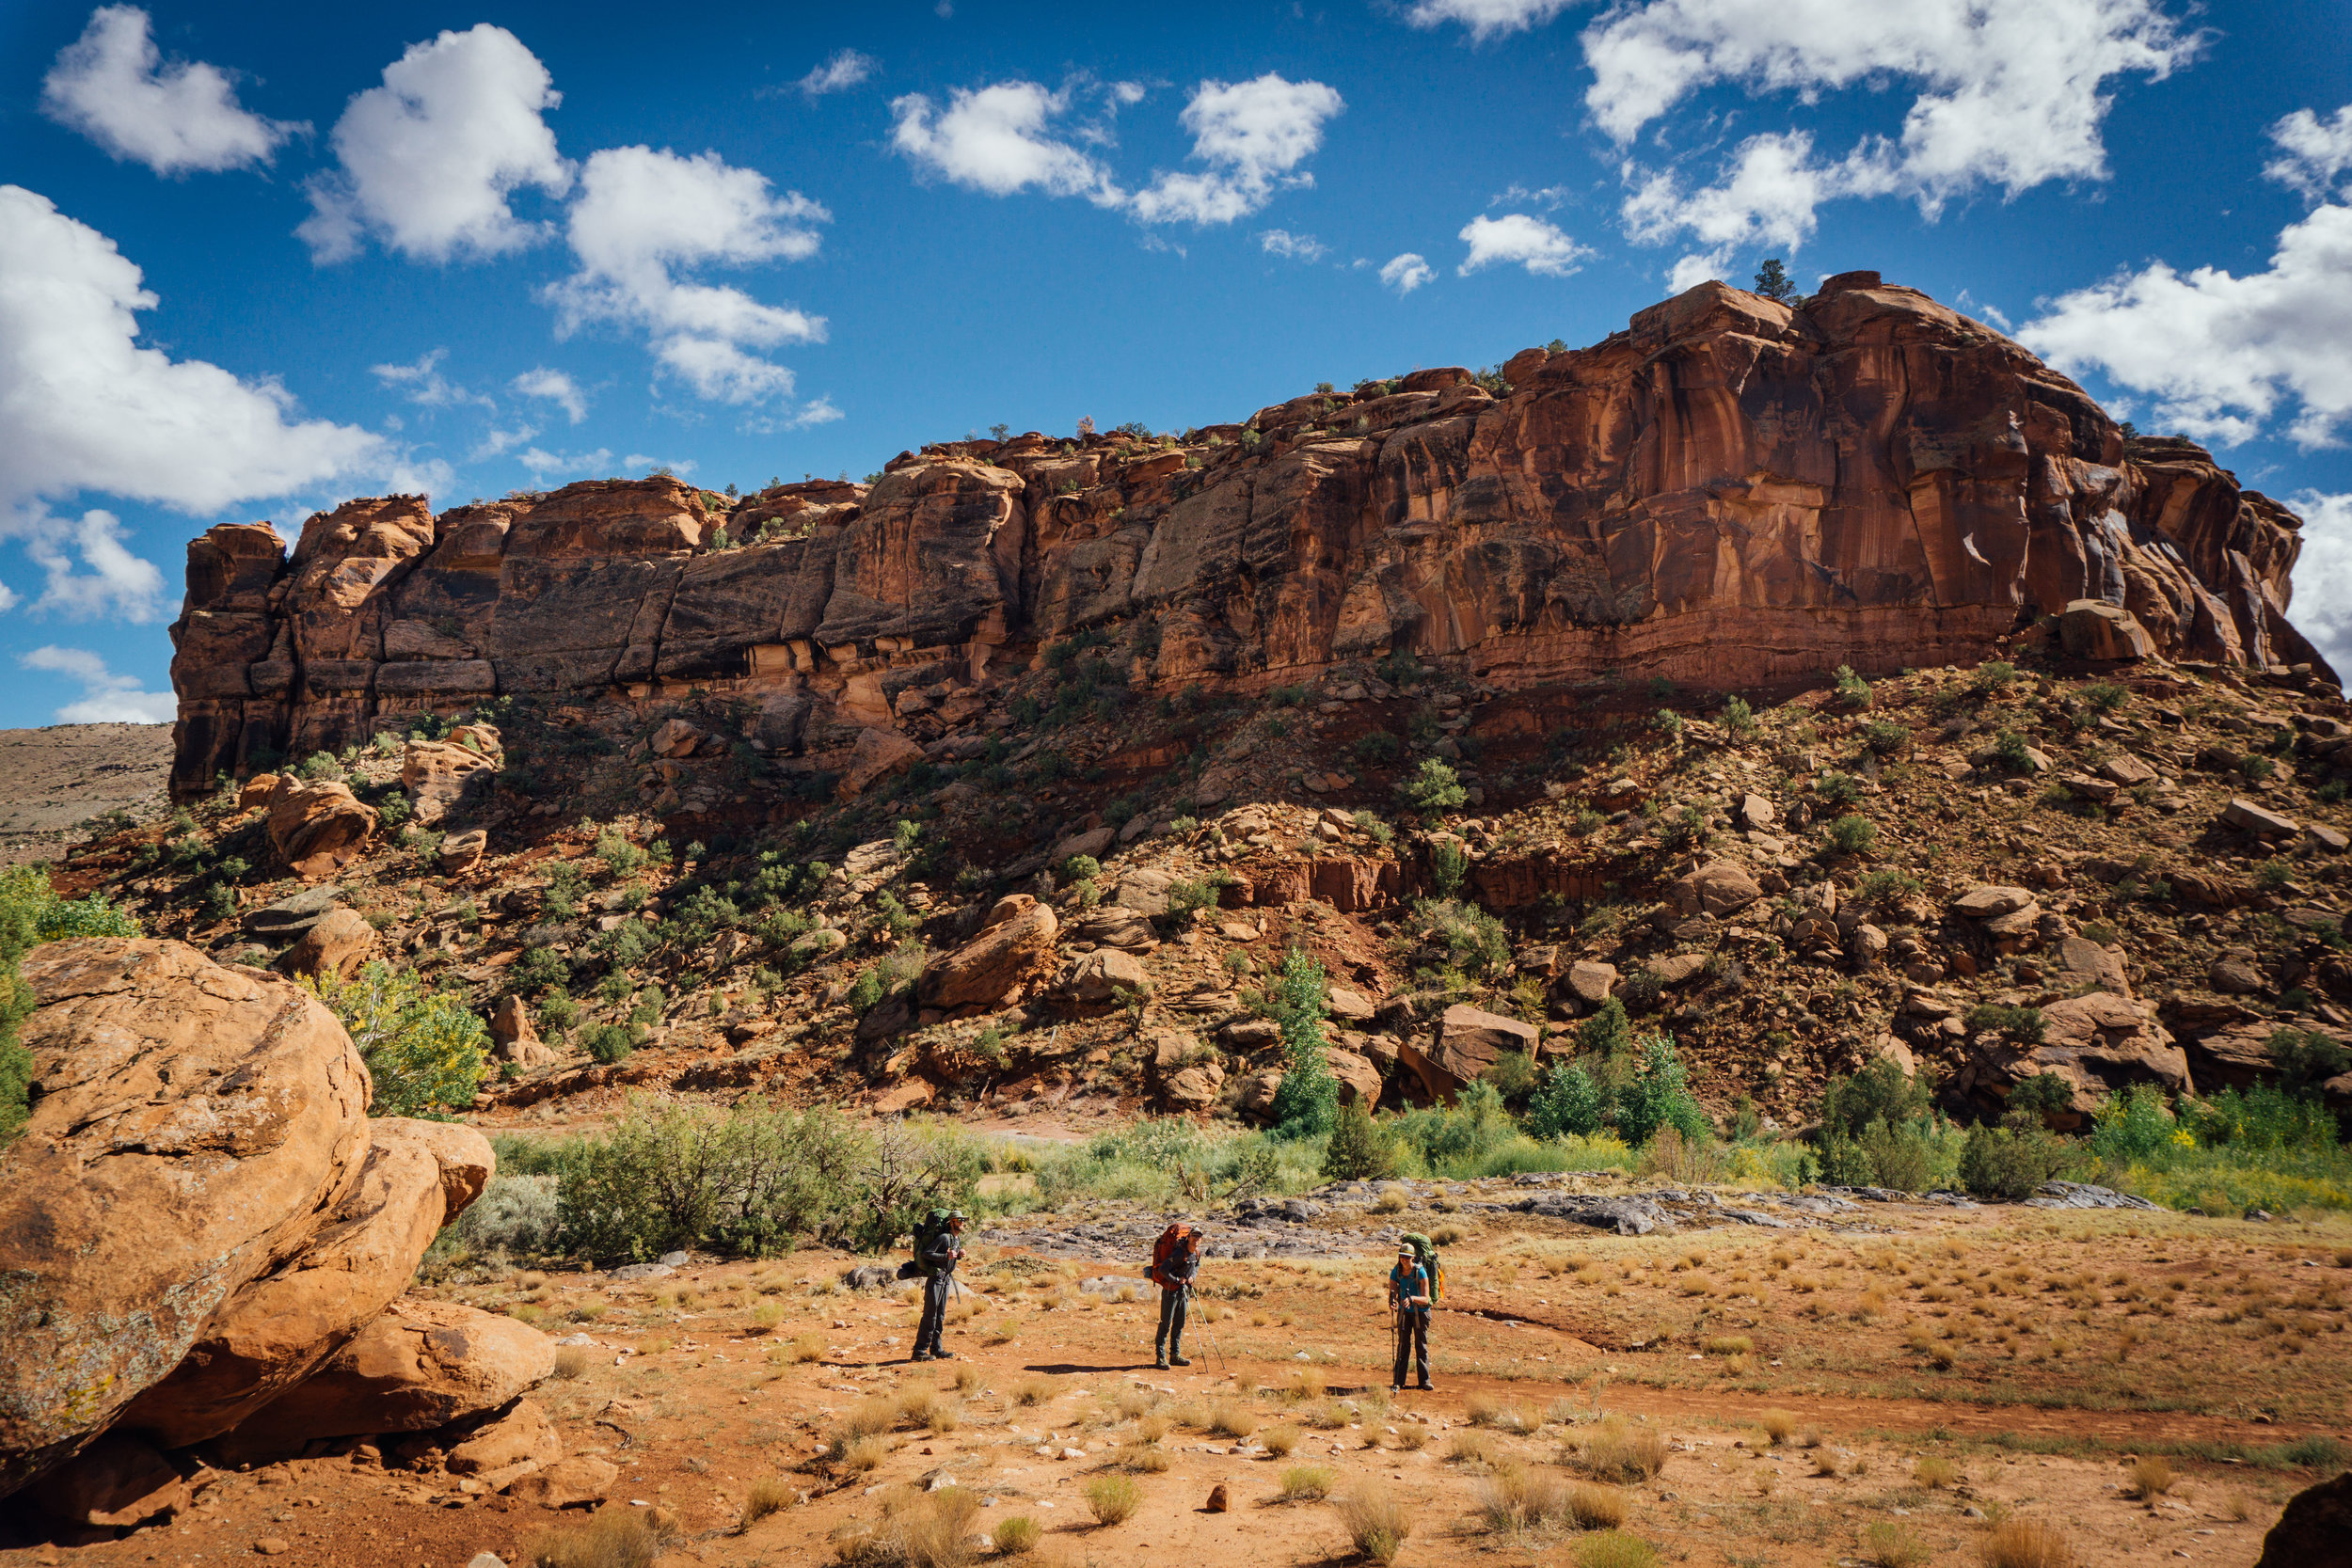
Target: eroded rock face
<point>1014,947</point>
<point>318,825</point>
<point>421,1364</point>
<point>417,1177</point>
<point>191,1126</point>
<point>1729,492</point>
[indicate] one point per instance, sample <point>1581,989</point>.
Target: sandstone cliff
<point>1731,492</point>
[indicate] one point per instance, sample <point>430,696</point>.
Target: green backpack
<point>1425,1253</point>
<point>926,1230</point>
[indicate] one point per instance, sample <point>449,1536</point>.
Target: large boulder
<point>1192,1089</point>
<point>2098,1044</point>
<point>1467,1043</point>
<point>1100,976</point>
<point>418,1176</point>
<point>1720,888</point>
<point>1359,1079</point>
<point>192,1128</point>
<point>421,1364</point>
<point>336,945</point>
<point>876,753</point>
<point>318,825</point>
<point>443,776</point>
<point>1015,945</point>
<point>2093,629</point>
<point>118,1482</point>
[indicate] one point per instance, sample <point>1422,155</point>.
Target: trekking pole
<point>1210,1339</point>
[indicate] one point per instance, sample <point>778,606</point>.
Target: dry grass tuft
<point>1034,1390</point>
<point>571,1362</point>
<point>1594,1507</point>
<point>919,1530</point>
<point>2017,1542</point>
<point>1887,1545</point>
<point>1779,1425</point>
<point>1280,1440</point>
<point>860,1455</point>
<point>1151,1428</point>
<point>615,1539</point>
<point>1614,1549</point>
<point>1308,1483</point>
<point>1618,1449</point>
<point>1412,1437</point>
<point>1015,1535</point>
<point>1517,1498</point>
<point>1473,1447</point>
<point>1233,1420</point>
<point>1395,1200</point>
<point>2150,1477</point>
<point>1931,1472</point>
<point>1113,1499</point>
<point>1376,1523</point>
<point>769,1494</point>
<point>1730,1344</point>
<point>1487,1411</point>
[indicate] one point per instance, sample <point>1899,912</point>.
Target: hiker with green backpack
<point>1414,1285</point>
<point>935,1255</point>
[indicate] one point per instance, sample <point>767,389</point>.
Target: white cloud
<point>820,411</point>
<point>845,70</point>
<point>1294,248</point>
<point>498,443</point>
<point>1517,239</point>
<point>547,464</point>
<point>643,460</point>
<point>556,387</point>
<point>112,85</point>
<point>1000,139</point>
<point>106,697</point>
<point>1485,18</point>
<point>84,408</point>
<point>1407,272</point>
<point>116,583</point>
<point>641,217</point>
<point>2221,354</point>
<point>1252,135</point>
<point>2322,606</point>
<point>2012,95</point>
<point>2316,152</point>
<point>1546,197</point>
<point>429,159</point>
<point>1013,137</point>
<point>422,383</point>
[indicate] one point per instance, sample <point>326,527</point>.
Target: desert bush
<point>1280,1440</point>
<point>1779,1425</point>
<point>1359,1150</point>
<point>1932,1472</point>
<point>1376,1523</point>
<point>1888,1544</point>
<point>2152,1477</point>
<point>1591,1506</point>
<point>515,1214</point>
<point>1517,1498</point>
<point>1614,1549</point>
<point>1852,835</point>
<point>426,1051</point>
<point>1016,1535</point>
<point>1113,1499</point>
<point>768,1495</point>
<point>613,1538</point>
<point>1308,1483</point>
<point>2017,1542</point>
<point>1434,789</point>
<point>1621,1450</point>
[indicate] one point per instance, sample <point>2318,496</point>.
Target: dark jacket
<point>1181,1266</point>
<point>939,1257</point>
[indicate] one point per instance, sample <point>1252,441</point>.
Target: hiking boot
<point>1428,1388</point>
<point>1179,1361</point>
<point>943,1355</point>
<point>1161,1365</point>
<point>920,1355</point>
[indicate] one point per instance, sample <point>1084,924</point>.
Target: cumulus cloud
<point>1013,137</point>
<point>1252,135</point>
<point>2321,607</point>
<point>84,408</point>
<point>112,85</point>
<point>845,70</point>
<point>2219,353</point>
<point>1485,18</point>
<point>545,465</point>
<point>1293,247</point>
<point>429,159</point>
<point>1407,272</point>
<point>112,582</point>
<point>2012,93</point>
<point>2314,153</point>
<point>1517,239</point>
<point>422,383</point>
<point>1002,138</point>
<point>642,219</point>
<point>106,697</point>
<point>556,387</point>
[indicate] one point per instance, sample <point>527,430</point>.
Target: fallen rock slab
<point>422,1364</point>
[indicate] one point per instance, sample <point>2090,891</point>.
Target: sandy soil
<point>54,779</point>
<point>724,1375</point>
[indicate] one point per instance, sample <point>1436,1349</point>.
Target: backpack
<point>1425,1253</point>
<point>926,1230</point>
<point>1175,1239</point>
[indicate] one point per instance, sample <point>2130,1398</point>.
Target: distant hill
<point>53,779</point>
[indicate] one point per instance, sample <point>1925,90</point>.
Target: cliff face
<point>1731,492</point>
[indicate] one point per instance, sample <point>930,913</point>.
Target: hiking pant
<point>1171,1335</point>
<point>935,1291</point>
<point>1412,1337</point>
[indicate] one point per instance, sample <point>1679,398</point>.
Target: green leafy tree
<point>1359,1150</point>
<point>426,1050</point>
<point>1659,1096</point>
<point>1434,789</point>
<point>1773,282</point>
<point>1308,1103</point>
<point>1567,1102</point>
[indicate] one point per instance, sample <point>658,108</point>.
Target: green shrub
<point>2022,1024</point>
<point>426,1050</point>
<point>320,765</point>
<point>1739,718</point>
<point>1359,1148</point>
<point>1378,748</point>
<point>1080,868</point>
<point>865,991</point>
<point>1852,690</point>
<point>1839,790</point>
<point>2010,752</point>
<point>2010,1162</point>
<point>1885,885</point>
<point>1567,1104</point>
<point>1884,737</point>
<point>2106,696</point>
<point>608,1042</point>
<point>1659,1096</point>
<point>1852,835</point>
<point>1474,941</point>
<point>620,857</point>
<point>1434,789</point>
<point>557,1013</point>
<point>1448,866</point>
<point>1881,1092</point>
<point>1992,678</point>
<point>537,969</point>
<point>1307,1102</point>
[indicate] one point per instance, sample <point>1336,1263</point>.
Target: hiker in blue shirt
<point>1408,1297</point>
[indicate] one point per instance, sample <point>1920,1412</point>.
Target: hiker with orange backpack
<point>1175,1258</point>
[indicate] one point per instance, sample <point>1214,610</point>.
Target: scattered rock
<point>440,776</point>
<point>876,753</point>
<point>1216,1503</point>
<point>573,1482</point>
<point>1100,977</point>
<point>118,1482</point>
<point>461,852</point>
<point>1015,945</point>
<point>318,828</point>
<point>2264,823</point>
<point>2091,629</point>
<point>522,1434</point>
<point>1590,981</point>
<point>421,1364</point>
<point>1720,888</point>
<point>1987,903</point>
<point>337,946</point>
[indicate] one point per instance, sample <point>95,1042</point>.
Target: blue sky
<point>258,259</point>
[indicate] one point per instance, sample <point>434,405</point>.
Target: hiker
<point>935,1249</point>
<point>1175,1258</point>
<point>1410,1295</point>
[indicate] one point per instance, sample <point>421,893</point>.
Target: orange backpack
<point>1174,1240</point>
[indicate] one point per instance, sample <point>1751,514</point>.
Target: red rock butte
<point>1732,492</point>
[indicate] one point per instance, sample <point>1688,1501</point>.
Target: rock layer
<point>1732,491</point>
